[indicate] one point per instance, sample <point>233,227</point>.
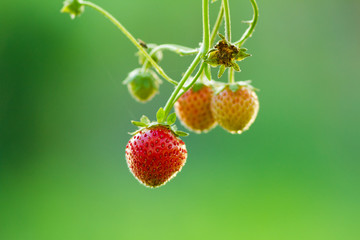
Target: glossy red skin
<point>235,111</point>
<point>155,155</point>
<point>193,109</point>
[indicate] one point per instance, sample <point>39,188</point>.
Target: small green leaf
<point>236,67</point>
<point>234,87</point>
<point>171,119</point>
<point>181,134</point>
<point>160,115</point>
<point>132,133</point>
<point>242,55</point>
<point>211,50</point>
<point>221,71</point>
<point>139,124</point>
<point>244,83</point>
<point>145,119</point>
<point>221,36</point>
<point>208,72</point>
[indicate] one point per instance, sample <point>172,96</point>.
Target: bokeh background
<point>65,118</point>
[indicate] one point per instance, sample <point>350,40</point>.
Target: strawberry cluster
<point>155,153</point>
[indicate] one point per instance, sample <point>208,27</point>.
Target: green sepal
<point>221,71</point>
<point>133,133</point>
<point>247,84</point>
<point>160,115</point>
<point>171,119</point>
<point>139,124</point>
<point>218,87</point>
<point>73,7</point>
<point>145,123</point>
<point>242,54</point>
<point>211,58</point>
<point>222,36</point>
<point>234,87</point>
<point>236,67</point>
<point>143,126</point>
<point>181,134</point>
<point>145,119</point>
<point>207,72</point>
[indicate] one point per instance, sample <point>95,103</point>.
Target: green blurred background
<point>65,118</point>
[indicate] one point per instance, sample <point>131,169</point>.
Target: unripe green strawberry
<point>235,108</point>
<point>142,85</point>
<point>155,155</point>
<point>193,109</point>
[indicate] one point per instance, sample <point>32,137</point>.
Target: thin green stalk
<point>204,49</point>
<point>231,75</point>
<point>170,103</point>
<point>206,28</point>
<point>248,33</point>
<point>130,37</point>
<point>226,7</point>
<point>198,74</point>
<point>181,50</point>
<point>217,25</point>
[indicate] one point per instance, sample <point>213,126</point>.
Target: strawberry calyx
<point>145,123</point>
<point>219,86</point>
<point>225,55</point>
<point>73,7</point>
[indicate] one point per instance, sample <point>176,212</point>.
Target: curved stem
<point>181,50</point>
<point>130,37</point>
<point>204,49</point>
<point>248,33</point>
<point>217,25</point>
<point>226,7</point>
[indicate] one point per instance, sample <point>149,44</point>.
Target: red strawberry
<point>155,155</point>
<point>193,109</point>
<point>235,107</point>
